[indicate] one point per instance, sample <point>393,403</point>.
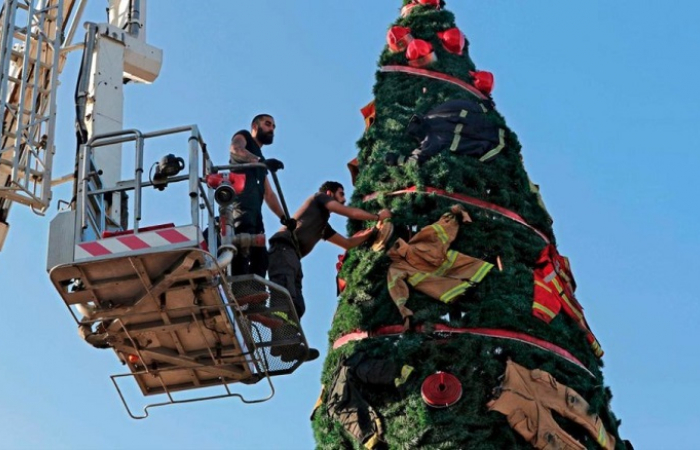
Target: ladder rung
<point>41,90</point>
<point>22,55</point>
<point>20,33</point>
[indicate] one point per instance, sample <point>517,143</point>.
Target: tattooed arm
<point>239,154</point>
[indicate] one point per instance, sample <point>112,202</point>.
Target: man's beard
<point>266,138</point>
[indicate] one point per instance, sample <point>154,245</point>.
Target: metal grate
<point>268,312</point>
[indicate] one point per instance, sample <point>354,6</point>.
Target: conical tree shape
<point>375,391</point>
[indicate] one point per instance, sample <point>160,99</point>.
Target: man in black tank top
<point>312,226</point>
<point>246,147</point>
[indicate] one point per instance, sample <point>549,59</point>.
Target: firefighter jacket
<point>528,397</point>
<point>346,403</point>
<point>554,292</point>
<point>460,126</point>
<point>427,264</point>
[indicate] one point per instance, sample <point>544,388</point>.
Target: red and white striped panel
<point>169,237</point>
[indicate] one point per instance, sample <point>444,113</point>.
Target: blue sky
<point>603,97</point>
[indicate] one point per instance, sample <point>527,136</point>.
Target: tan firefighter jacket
<point>427,264</point>
<point>528,397</point>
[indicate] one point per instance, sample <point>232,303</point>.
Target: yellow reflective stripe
<point>401,301</point>
<point>284,317</point>
<point>458,132</point>
<point>406,372</point>
<point>457,138</point>
<point>392,283</point>
<point>372,442</point>
<point>497,150</point>
<point>564,276</point>
<point>481,273</point>
<point>483,108</point>
<point>556,284</point>
<point>544,309</point>
<point>560,291</point>
<point>447,265</point>
<point>602,437</point>
<point>543,286</point>
<point>454,292</point>
<point>418,277</point>
<point>442,234</point>
<point>576,311</point>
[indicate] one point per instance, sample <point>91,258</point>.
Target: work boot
<point>312,354</point>
<point>293,353</point>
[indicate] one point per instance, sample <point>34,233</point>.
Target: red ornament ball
<point>406,10</point>
<point>453,40</point>
<point>483,81</point>
<point>420,53</point>
<point>398,38</point>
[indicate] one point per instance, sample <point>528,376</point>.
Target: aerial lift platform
<point>159,294</point>
<point>156,295</point>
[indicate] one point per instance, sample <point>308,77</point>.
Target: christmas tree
<point>470,282</point>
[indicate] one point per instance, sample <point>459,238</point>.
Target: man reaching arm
<point>312,226</point>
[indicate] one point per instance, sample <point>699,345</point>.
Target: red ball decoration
<point>453,40</point>
<point>441,390</point>
<point>483,81</point>
<point>420,53</point>
<point>406,10</point>
<point>398,38</point>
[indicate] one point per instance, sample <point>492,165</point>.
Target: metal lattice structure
<point>30,52</point>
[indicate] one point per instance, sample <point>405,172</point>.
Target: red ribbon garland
<point>394,330</point>
<point>436,76</point>
<point>469,201</point>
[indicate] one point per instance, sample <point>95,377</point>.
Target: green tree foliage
<point>502,301</point>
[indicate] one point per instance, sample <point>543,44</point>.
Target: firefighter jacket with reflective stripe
<point>427,264</point>
<point>346,403</point>
<point>554,291</point>
<point>460,126</point>
<point>528,397</point>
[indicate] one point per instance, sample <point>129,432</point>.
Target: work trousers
<point>528,397</point>
<point>346,403</point>
<point>285,270</point>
